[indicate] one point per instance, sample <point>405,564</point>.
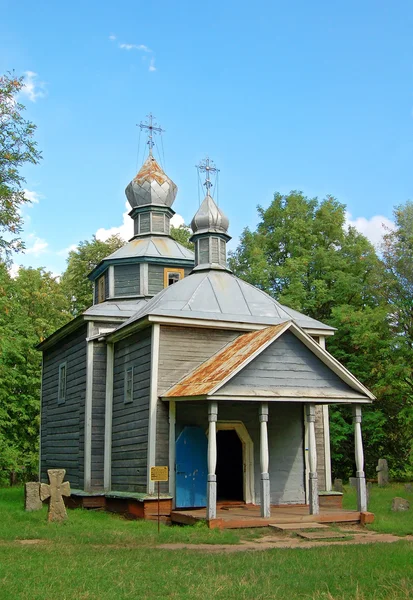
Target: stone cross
<point>382,472</point>
<point>32,496</point>
<point>55,491</point>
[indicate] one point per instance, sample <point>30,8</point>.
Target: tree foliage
<point>17,147</point>
<point>32,306</point>
<point>182,234</point>
<point>302,254</point>
<point>76,286</point>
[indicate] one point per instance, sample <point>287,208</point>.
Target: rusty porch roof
<point>212,373</point>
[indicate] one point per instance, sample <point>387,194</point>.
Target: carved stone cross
<point>55,491</point>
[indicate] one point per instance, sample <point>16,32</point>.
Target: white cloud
<point>65,251</point>
<point>34,197</point>
<point>35,245</point>
<point>373,228</point>
<point>135,47</point>
<point>14,270</point>
<point>126,229</point>
<point>152,65</point>
<point>33,88</point>
<point>112,37</point>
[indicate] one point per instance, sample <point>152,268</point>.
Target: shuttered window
<point>61,395</point>
<point>215,250</point>
<point>128,396</point>
<point>158,223</point>
<point>203,251</point>
<point>101,289</point>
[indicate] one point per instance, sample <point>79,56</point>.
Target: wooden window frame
<point>101,289</point>
<point>168,270</point>
<point>128,394</point>
<point>61,390</point>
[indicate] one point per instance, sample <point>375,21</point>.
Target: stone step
<point>322,535</point>
<point>296,526</point>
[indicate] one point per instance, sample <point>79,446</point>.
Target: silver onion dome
<point>209,218</point>
<point>151,186</point>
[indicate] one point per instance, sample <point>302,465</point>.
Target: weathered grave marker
<point>409,488</point>
<point>338,485</point>
<point>400,504</point>
<point>352,481</point>
<point>32,496</point>
<point>55,491</point>
<point>382,472</point>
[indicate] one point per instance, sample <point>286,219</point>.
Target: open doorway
<point>229,470</point>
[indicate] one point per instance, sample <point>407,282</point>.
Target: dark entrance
<point>229,466</point>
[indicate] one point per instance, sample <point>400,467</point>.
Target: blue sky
<point>316,96</point>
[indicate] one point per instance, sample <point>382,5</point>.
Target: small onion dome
<point>209,218</point>
<point>151,186</point>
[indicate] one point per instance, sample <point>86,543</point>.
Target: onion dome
<point>151,186</point>
<point>209,218</point>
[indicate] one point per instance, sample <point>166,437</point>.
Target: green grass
<point>98,556</point>
<point>386,521</point>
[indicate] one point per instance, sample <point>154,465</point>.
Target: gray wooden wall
<point>130,421</point>
<point>127,280</point>
<point>319,437</point>
<point>181,349</point>
<point>285,438</point>
<point>98,414</point>
<point>62,437</point>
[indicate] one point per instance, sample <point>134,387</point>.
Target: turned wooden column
<point>312,460</point>
<point>264,461</point>
<point>212,461</point>
<point>359,455</point>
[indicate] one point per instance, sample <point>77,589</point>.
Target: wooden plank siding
<point>130,421</point>
<point>127,280</point>
<point>62,444</point>
<point>98,414</point>
<point>155,279</point>
<point>287,363</point>
<point>182,349</point>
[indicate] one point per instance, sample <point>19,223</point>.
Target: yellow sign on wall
<point>159,474</point>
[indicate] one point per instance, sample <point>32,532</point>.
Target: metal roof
<point>209,218</point>
<point>205,378</point>
<point>219,295</point>
<point>157,247</point>
<point>151,186</point>
<point>120,308</point>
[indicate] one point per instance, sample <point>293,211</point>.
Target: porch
<point>247,515</point>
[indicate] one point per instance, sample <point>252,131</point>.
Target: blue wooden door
<point>191,468</point>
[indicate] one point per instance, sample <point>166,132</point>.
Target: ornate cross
<point>152,129</point>
<point>55,491</point>
<point>207,166</point>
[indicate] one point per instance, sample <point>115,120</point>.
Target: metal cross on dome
<point>152,128</point>
<point>207,166</point>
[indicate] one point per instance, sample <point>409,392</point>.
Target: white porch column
<point>212,461</point>
<point>172,450</point>
<point>312,460</point>
<point>358,445</point>
<point>265,461</point>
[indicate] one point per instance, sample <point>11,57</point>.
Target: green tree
<point>302,254</point>
<point>182,234</point>
<point>32,307</point>
<point>17,147</point>
<point>80,262</point>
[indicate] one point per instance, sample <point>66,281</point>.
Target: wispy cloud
<point>373,228</point>
<point>65,251</point>
<point>32,196</point>
<point>35,245</point>
<point>141,47</point>
<point>33,88</point>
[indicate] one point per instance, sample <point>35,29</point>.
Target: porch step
<point>296,526</point>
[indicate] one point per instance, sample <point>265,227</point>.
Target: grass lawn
<point>98,556</point>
